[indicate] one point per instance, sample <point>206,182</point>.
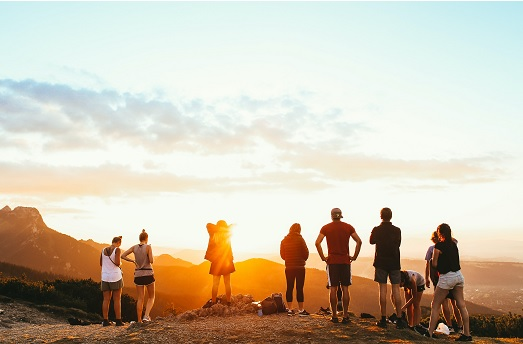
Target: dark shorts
<point>381,275</point>
<point>339,274</point>
<point>420,288</point>
<point>144,280</point>
<point>450,295</point>
<point>109,286</point>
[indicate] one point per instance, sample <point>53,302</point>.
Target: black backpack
<point>273,304</point>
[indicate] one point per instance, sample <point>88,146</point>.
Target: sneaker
<point>119,322</point>
<point>335,320</point>
<point>345,320</point>
<point>325,310</point>
<point>393,318</point>
<point>382,323</point>
<point>464,338</point>
<point>401,324</point>
<point>290,312</point>
<point>146,319</point>
<point>421,330</point>
<point>106,323</point>
<point>303,313</point>
<point>208,304</point>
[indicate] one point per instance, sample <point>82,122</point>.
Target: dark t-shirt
<point>448,259</point>
<point>338,234</point>
<point>388,240</point>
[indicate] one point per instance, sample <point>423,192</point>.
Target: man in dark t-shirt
<point>338,260</point>
<point>387,239</point>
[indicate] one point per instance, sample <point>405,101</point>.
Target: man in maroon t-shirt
<point>338,260</point>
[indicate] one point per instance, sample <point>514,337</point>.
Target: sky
<point>118,116</point>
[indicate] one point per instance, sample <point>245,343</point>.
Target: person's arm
<point>150,254</point>
<point>372,239</point>
<point>117,256</point>
<point>358,246</point>
<point>427,273</point>
<point>435,256</point>
<point>100,259</point>
<point>126,253</point>
<point>318,247</point>
<point>282,250</point>
<point>305,250</point>
<point>413,291</point>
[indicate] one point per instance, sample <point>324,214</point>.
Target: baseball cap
<point>336,213</point>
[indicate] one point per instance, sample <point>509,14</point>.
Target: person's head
<point>336,214</point>
<point>444,232</point>
<point>117,241</point>
<point>221,224</point>
<point>404,279</point>
<point>386,214</point>
<point>434,237</point>
<point>295,228</point>
<point>143,236</point>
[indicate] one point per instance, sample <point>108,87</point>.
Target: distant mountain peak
<point>5,209</point>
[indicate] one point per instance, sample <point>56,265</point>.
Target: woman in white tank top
<point>112,281</point>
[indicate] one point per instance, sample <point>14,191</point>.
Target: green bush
<point>504,326</point>
<point>84,295</point>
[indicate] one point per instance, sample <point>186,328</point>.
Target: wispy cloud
<point>276,143</point>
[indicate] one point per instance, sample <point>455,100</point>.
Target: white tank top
<point>110,272</point>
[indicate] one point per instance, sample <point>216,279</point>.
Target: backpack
<point>273,304</point>
<point>278,298</point>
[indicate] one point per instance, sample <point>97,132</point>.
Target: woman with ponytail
<point>143,275</point>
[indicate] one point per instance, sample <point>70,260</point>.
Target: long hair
<point>444,232</point>
<point>143,235</point>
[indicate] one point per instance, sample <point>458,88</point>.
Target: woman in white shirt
<point>112,281</point>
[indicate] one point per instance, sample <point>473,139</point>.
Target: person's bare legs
<point>417,308</point>
<point>397,299</point>
<point>150,300</point>
<point>346,300</point>
<point>117,302</point>
<point>105,304</point>
<point>456,312</point>
<point>383,299</point>
<point>437,300</point>
<point>333,298</point>
<point>410,308</point>
<point>227,283</point>
<point>446,311</point>
<point>140,293</point>
<point>460,302</point>
<point>215,286</point>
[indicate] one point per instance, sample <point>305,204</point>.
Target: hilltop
<point>28,325</point>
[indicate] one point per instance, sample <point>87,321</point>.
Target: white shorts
<point>451,279</point>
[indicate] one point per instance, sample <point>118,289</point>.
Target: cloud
<point>118,180</point>
<point>273,143</point>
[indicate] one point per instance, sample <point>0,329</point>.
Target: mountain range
<point>180,285</point>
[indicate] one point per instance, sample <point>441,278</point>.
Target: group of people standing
<point>112,278</point>
<point>442,268</point>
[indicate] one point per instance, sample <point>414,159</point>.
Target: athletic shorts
<point>420,288</point>
<point>144,280</point>
<point>451,279</point>
<point>339,274</point>
<point>107,286</point>
<point>381,275</point>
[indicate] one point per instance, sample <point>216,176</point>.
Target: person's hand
<point>352,258</point>
<point>427,284</point>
